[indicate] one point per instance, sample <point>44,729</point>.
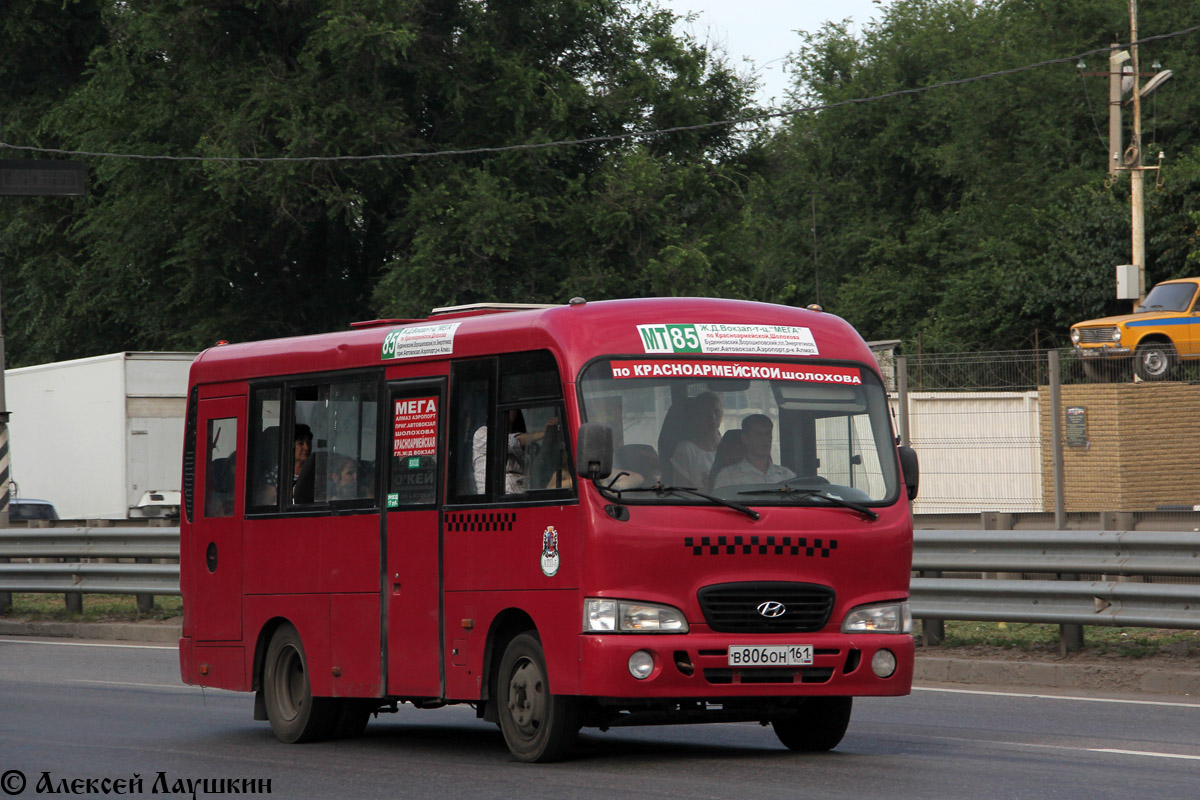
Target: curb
<point>142,632</point>
<point>1049,675</point>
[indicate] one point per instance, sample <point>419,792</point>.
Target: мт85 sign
<point>670,338</point>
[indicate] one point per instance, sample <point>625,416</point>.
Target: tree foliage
<point>178,254</point>
<point>973,214</point>
<point>980,213</point>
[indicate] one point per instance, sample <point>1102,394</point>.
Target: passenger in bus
<point>691,459</point>
<point>516,459</point>
<point>343,477</point>
<point>730,451</point>
<point>301,450</point>
<point>757,466</point>
<point>640,464</point>
<point>266,467</point>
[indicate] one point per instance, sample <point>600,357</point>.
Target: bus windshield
<point>755,433</point>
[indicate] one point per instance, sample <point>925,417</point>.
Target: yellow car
<point>1164,329</point>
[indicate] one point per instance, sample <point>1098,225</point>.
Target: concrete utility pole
<point>1121,158</point>
<point>1137,199</point>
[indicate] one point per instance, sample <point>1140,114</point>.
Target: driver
<point>757,466</point>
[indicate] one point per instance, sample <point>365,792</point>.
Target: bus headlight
<point>881,618</point>
<point>622,616</point>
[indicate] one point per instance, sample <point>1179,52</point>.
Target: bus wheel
<point>537,725</point>
<point>820,724</point>
<point>352,717</point>
<point>295,715</point>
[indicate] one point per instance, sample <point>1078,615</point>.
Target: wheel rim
<point>1154,362</point>
<point>290,683</point>
<point>527,698</point>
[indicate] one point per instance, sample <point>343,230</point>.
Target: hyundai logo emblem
<point>771,608</point>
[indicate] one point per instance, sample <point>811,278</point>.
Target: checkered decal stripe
<point>762,545</point>
<point>481,521</point>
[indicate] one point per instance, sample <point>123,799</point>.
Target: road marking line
<point>1145,753</point>
<point>128,683</point>
<point>90,644</point>
<point>1058,697</point>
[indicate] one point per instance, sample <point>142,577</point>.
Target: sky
<point>765,31</point>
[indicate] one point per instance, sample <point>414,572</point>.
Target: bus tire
<point>295,715</point>
<point>818,726</point>
<point>538,726</point>
<point>352,717</point>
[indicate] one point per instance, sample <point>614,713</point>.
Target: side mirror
<point>594,451</point>
<point>911,469</point>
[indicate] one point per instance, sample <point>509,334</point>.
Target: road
<point>70,712</point>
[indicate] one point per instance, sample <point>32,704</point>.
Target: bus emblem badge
<point>771,609</point>
<point>550,559</point>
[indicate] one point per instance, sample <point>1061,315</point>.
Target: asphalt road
<point>71,711</point>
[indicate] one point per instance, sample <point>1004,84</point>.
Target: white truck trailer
<point>101,437</point>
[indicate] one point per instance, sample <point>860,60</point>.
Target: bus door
<point>217,521</point>
<point>412,566</point>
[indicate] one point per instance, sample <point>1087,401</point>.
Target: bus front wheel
<point>537,725</point>
<point>819,724</point>
<point>295,715</point>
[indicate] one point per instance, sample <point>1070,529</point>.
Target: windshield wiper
<point>832,498</point>
<point>659,489</point>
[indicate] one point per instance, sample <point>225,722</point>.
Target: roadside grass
<point>96,608</point>
<point>1041,638</point>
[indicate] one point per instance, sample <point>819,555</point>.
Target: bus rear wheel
<point>537,725</point>
<point>819,724</point>
<point>295,715</point>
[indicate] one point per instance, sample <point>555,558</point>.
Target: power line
<point>615,137</point>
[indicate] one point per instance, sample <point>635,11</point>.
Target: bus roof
<point>576,332</point>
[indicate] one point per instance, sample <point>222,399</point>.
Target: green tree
<point>178,254</point>
<point>978,213</point>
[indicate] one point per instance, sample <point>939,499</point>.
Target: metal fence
<point>1091,588</point>
<point>82,560</point>
<point>1089,563</point>
<point>1030,431</point>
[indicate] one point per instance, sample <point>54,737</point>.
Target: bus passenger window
<point>536,455</point>
<point>220,467</point>
<point>332,454</point>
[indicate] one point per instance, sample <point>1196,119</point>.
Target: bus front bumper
<point>698,666</point>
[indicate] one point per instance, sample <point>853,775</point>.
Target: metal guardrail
<point>1067,601</point>
<point>89,543</point>
<point>75,576</point>
<point>1173,553</point>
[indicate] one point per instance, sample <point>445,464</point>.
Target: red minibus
<point>598,514</point>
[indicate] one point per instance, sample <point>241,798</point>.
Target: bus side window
<point>332,451</point>
<point>531,411</point>
<point>536,456</point>
<point>220,467</point>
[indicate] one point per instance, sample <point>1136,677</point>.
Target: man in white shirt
<point>757,466</point>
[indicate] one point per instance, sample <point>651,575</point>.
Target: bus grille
<point>1100,335</point>
<point>734,607</point>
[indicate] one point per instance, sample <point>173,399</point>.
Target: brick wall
<point>1142,450</point>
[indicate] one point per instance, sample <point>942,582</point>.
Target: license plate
<point>771,655</point>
